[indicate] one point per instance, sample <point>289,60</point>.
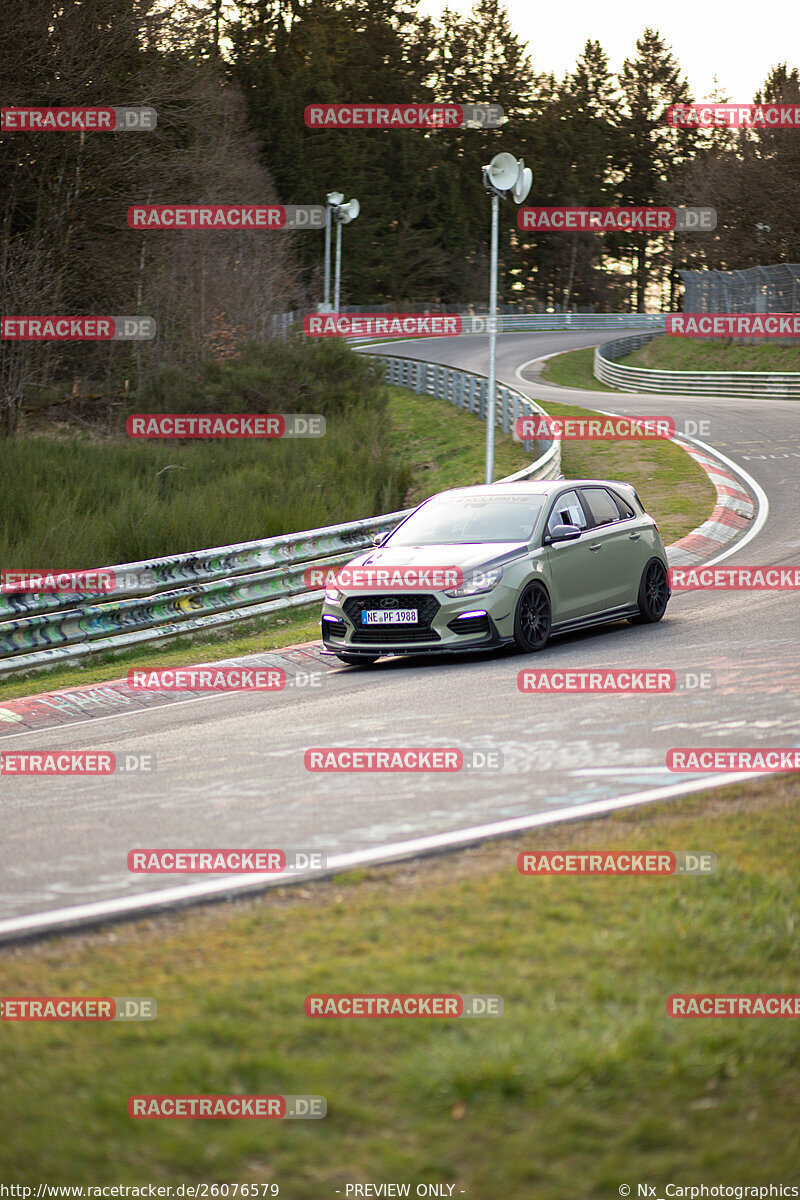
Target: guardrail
<point>510,322</point>
<point>166,597</point>
<point>693,383</point>
<point>578,322</point>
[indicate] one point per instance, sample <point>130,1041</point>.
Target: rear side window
<point>603,505</point>
<point>625,509</point>
<point>567,510</point>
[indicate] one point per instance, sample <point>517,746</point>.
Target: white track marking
<point>86,914</point>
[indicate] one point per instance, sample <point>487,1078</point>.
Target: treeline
<point>591,137</point>
<point>230,80</point>
<point>423,231</point>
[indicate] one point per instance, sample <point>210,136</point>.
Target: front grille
<point>427,607</point>
<point>470,625</point>
<point>385,634</point>
<point>332,628</point>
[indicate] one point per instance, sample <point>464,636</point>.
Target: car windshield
<point>464,520</point>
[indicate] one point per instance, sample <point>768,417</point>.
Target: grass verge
<point>703,354</point>
<point>444,446</point>
<point>582,1085</point>
<point>573,369</point>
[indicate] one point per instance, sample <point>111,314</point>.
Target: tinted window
<point>567,510</point>
<point>602,504</point>
<point>623,506</point>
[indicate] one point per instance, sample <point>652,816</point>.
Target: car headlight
<point>333,593</point>
<point>477,582</point>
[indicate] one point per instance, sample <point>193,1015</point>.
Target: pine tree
<point>651,149</point>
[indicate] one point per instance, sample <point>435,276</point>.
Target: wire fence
<point>756,289</point>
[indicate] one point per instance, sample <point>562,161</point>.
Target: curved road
<point>230,769</point>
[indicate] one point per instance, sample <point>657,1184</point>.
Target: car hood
<point>467,557</point>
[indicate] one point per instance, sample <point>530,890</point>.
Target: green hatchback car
<point>500,564</point>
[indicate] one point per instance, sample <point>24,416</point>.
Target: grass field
<point>582,1085</point>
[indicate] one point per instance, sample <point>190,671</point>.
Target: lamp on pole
<point>343,214</point>
<point>503,175</point>
<point>331,200</point>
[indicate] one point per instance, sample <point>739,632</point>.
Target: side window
<point>604,507</point>
<point>567,510</point>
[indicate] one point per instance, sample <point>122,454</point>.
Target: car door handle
<point>634,536</point>
<point>596,546</point>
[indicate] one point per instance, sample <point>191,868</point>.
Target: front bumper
<point>444,624</point>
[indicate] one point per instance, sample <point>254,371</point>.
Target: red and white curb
<point>733,512</point>
<point>70,706</point>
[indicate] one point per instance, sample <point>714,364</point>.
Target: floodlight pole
<point>332,202</point>
<point>491,383</point>
<point>327,289</point>
<point>504,175</point>
<point>338,266</point>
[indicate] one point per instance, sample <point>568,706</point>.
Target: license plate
<point>388,616</point>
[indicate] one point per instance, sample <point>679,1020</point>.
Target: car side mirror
<point>380,537</point>
<point>562,533</point>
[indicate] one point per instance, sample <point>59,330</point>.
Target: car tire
<point>533,619</point>
<point>653,593</point>
<point>358,660</point>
